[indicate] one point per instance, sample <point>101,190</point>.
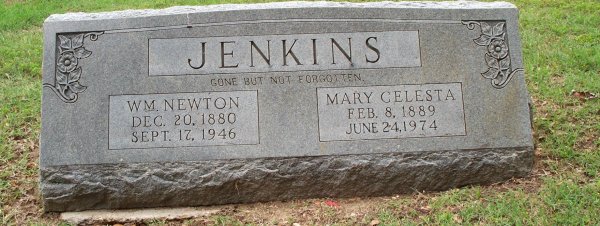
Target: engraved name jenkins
<point>178,56</point>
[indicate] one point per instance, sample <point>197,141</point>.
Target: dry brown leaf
<point>374,222</point>
<point>583,95</point>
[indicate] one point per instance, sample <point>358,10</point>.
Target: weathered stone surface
<point>241,103</point>
<point>113,186</point>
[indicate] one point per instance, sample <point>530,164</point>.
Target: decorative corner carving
<point>68,72</point>
<point>497,56</point>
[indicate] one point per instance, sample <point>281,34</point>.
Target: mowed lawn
<point>561,47</point>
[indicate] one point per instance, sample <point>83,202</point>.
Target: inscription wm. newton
<point>183,119</point>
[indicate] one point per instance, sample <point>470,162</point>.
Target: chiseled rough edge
<point>119,186</point>
<point>275,5</point>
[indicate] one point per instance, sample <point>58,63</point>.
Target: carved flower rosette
<point>497,56</point>
<point>68,70</point>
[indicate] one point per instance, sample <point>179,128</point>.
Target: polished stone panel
<point>202,105</point>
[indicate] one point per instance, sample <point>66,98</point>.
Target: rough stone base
<point>119,186</point>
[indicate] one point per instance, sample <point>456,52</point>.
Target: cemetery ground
<point>561,50</point>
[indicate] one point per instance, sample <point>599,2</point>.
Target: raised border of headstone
<point>293,114</point>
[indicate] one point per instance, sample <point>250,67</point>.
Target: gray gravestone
<point>244,103</point>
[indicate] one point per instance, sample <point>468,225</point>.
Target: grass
<point>561,47</point>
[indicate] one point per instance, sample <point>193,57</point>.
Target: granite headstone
<point>225,104</point>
